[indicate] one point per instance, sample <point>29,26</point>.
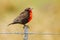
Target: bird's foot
<point>25,26</point>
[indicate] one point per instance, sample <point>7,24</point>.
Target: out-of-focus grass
<point>46,18</point>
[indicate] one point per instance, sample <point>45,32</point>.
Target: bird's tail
<point>10,24</point>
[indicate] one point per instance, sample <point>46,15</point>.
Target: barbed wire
<point>29,33</point>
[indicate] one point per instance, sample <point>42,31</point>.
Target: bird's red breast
<point>30,17</point>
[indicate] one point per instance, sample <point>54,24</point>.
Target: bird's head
<point>28,9</point>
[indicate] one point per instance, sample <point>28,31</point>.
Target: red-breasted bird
<point>24,17</point>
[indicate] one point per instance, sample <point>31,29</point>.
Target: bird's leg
<point>25,26</point>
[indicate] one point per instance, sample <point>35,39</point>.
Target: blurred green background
<point>46,18</point>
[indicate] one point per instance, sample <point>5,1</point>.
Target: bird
<point>24,17</point>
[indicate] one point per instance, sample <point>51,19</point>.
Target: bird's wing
<point>23,15</point>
